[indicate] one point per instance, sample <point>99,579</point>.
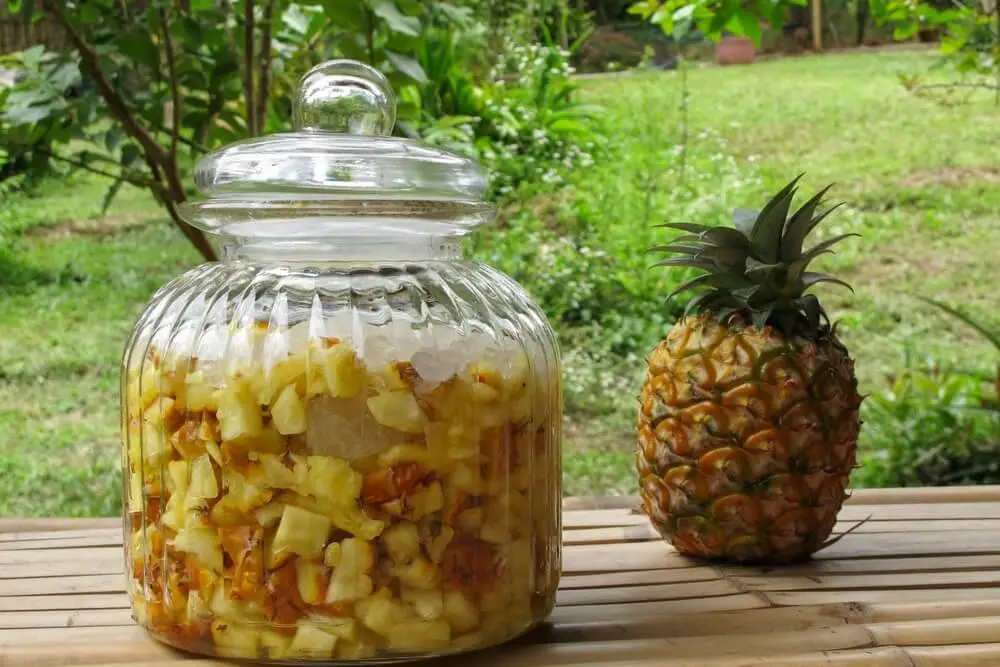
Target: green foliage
<point>713,18</point>
<point>925,430</point>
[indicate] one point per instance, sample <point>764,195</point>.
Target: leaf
<point>690,262</point>
<point>109,196</point>
<point>686,227</point>
<point>992,336</point>
<point>809,279</point>
<point>396,20</point>
<point>689,285</point>
<point>800,225</point>
<point>407,66</point>
<point>766,234</point>
<point>749,25</point>
<point>130,155</point>
<point>821,248</point>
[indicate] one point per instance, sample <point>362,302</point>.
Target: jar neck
<point>341,250</point>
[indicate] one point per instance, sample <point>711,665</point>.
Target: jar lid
<point>339,173</point>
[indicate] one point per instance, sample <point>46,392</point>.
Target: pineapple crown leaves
<point>758,268</point>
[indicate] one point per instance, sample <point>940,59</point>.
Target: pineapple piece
<point>327,478</point>
<point>333,554</point>
<point>380,612</point>
<point>289,372</point>
<point>466,478</point>
<point>419,573</point>
<point>402,541</point>
<point>203,485</point>
<point>242,496</point>
<point>312,642</point>
<point>351,578</point>
<point>426,501</point>
<point>271,472</point>
<point>275,644</point>
<point>269,514</point>
<point>495,530</point>
<point>437,544</point>
<point>483,393</point>
<point>428,604</point>
<point>311,579</point>
<point>300,532</point>
<point>470,520</point>
<point>420,635</point>
<point>203,543</point>
<point>199,392</point>
<point>350,519</point>
<point>213,450</point>
<point>514,384</point>
<point>341,627</point>
<point>173,515</point>
<point>197,609</point>
<point>135,496</point>
<point>153,447</point>
<point>356,650</point>
<point>233,640</point>
<point>344,375</point>
<point>407,452</point>
<point>461,611</point>
<point>178,473</point>
<point>238,412</point>
<point>397,410</point>
<point>289,412</point>
<point>487,373</point>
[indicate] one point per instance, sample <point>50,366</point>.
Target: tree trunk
<point>861,17</point>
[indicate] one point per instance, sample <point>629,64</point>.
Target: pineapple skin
<point>746,440</point>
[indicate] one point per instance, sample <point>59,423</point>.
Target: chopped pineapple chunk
<point>289,412</point>
<point>239,414</point>
<point>242,496</point>
<point>438,543</point>
<point>311,642</point>
<point>397,410</point>
<point>461,611</point>
<point>300,532</point>
<point>199,393</point>
<point>356,650</point>
<point>380,613</point>
<point>338,626</point>
<point>289,372</point>
<point>402,541</point>
<point>419,573</point>
<point>203,543</point>
<point>327,478</point>
<point>333,554</point>
<point>275,644</point>
<point>428,604</point>
<point>351,580</point>
<point>419,635</point>
<point>234,640</point>
<point>342,372</point>
<point>271,472</point>
<point>197,609</point>
<point>311,578</point>
<point>203,485</point>
<point>426,501</point>
<point>269,514</point>
<point>178,472</point>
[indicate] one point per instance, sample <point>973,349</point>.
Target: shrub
<point>928,430</point>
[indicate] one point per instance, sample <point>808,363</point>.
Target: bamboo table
<point>918,585</point>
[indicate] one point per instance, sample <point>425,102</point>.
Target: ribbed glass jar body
<point>341,460</point>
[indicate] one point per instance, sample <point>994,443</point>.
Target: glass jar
<point>342,441</point>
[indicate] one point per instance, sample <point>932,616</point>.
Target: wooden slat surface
<point>917,585</point>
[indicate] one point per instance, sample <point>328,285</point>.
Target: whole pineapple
<point>748,425</point>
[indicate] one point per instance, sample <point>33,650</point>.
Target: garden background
<point>596,124</point>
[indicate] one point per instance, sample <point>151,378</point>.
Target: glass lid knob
<point>346,97</point>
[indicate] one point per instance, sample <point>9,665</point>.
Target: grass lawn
<point>921,182</point>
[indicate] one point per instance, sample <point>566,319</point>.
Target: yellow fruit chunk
<point>397,410</point>
<point>380,613</point>
<point>344,375</point>
<point>350,580</point>
<point>300,532</point>
<point>311,642</point>
<point>275,644</point>
<point>178,472</point>
<point>239,413</point>
<point>199,392</point>
<point>269,514</point>
<point>428,604</point>
<point>234,640</point>
<point>333,554</point>
<point>203,485</point>
<point>203,543</point>
<point>426,501</point>
<point>311,580</point>
<point>419,635</point>
<point>270,471</point>
<point>461,611</point>
<point>437,544</point>
<point>338,626</point>
<point>289,372</point>
<point>419,573</point>
<point>402,542</point>
<point>289,412</point>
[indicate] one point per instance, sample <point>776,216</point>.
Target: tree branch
<point>80,164</point>
<point>175,92</point>
<point>370,34</point>
<point>248,52</point>
<point>116,104</point>
<point>264,88</point>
